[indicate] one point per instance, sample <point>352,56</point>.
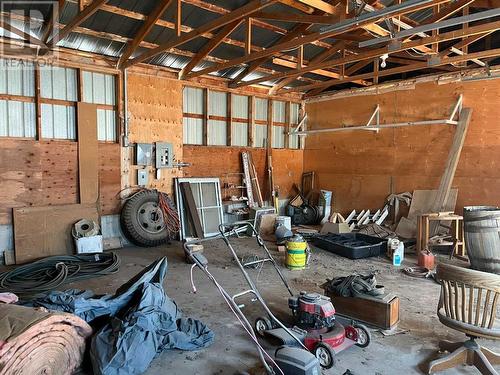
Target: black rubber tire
<point>327,349</point>
<point>130,224</point>
<point>361,327</point>
<point>264,323</point>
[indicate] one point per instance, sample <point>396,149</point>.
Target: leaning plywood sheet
<point>422,204</point>
<point>88,153</point>
<point>45,231</point>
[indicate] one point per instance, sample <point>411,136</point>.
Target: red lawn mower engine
<point>312,311</point>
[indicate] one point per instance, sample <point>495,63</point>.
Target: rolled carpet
<point>36,342</point>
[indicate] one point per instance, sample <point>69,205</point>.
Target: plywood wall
<point>363,168</point>
<point>155,115</point>
<point>216,161</point>
<point>44,173</point>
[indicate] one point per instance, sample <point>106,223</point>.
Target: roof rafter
<point>340,28</point>
<point>50,22</point>
<point>210,46</point>
<point>144,30</point>
<point>80,17</point>
<point>241,12</point>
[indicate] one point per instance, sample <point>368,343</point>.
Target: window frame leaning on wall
<point>246,119</point>
<point>37,87</point>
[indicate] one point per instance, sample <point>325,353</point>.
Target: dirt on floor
<point>233,352</point>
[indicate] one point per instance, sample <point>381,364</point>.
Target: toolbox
<point>351,245</point>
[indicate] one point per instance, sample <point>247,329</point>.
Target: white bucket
<point>284,220</point>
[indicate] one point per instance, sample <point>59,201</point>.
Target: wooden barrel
<point>482,237</point>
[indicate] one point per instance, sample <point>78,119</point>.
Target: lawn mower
<point>315,323</point>
<point>316,336</point>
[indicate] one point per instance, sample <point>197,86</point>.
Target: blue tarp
<point>138,318</point>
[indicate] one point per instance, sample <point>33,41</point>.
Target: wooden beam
<point>351,25</point>
<point>251,120</point>
<point>38,105</point>
<point>447,11</point>
<point>269,124</point>
<point>50,22</point>
<point>144,30</point>
<point>229,115</point>
<point>209,47</point>
<point>295,4</point>
<point>288,117</point>
<point>206,107</point>
<point>178,18</point>
<point>248,37</point>
<point>80,18</point>
<point>401,69</point>
<point>473,30</point>
<point>300,18</point>
<point>320,5</point>
<point>462,43</point>
<point>239,13</point>
<point>27,37</point>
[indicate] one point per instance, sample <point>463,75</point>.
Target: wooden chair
<point>468,303</point>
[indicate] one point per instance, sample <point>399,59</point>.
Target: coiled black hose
<point>51,272</point>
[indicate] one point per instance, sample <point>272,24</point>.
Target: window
<point>239,125</point>
<point>59,93</point>
<point>99,88</point>
<point>193,116</point>
<point>279,124</point>
<point>294,121</point>
<point>17,99</point>
<point>217,118</point>
<point>260,122</point>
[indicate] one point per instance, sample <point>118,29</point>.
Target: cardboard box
<point>335,228</point>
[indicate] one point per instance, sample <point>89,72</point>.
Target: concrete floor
<point>233,351</point>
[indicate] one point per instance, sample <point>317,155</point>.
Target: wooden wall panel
<point>362,167</point>
<point>216,161</point>
<point>109,178</point>
<point>155,115</point>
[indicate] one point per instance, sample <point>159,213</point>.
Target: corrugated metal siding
<point>106,125</point>
<point>58,83</point>
<point>239,134</point>
<point>99,88</point>
<point>239,106</point>
<point>278,137</point>
<point>260,135</point>
<point>217,133</point>
<point>261,109</point>
<point>217,103</point>
<point>17,119</point>
<point>192,131</point>
<point>279,111</point>
<point>192,100</point>
<point>16,79</point>
<point>58,121</point>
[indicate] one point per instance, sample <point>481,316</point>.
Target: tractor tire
<point>142,220</point>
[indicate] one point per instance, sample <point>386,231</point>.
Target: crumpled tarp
<point>142,321</point>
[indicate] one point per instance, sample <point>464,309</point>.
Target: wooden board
<point>88,153</point>
<point>45,231</point>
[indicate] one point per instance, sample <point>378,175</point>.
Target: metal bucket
<point>482,237</point>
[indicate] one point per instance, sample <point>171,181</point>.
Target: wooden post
<point>205,117</point>
<point>375,71</point>
<point>251,121</point>
<point>178,18</point>
<point>38,105</point>
<point>269,142</point>
<point>288,118</point>
<point>248,37</point>
<point>229,121</point>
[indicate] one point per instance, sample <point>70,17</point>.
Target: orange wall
<point>362,168</point>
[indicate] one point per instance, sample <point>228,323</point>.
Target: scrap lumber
<point>255,181</point>
<point>24,331</point>
<point>248,180</point>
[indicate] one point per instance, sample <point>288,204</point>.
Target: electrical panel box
<point>164,155</point>
<point>142,177</point>
<point>143,153</point>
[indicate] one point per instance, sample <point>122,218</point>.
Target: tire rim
<point>362,336</point>
<point>261,326</point>
<point>323,356</point>
<point>150,217</point>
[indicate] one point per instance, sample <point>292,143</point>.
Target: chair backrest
<point>468,296</point>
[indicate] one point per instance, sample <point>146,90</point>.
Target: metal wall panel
<point>294,116</point>
<point>217,133</point>
<point>260,135</point>
<point>192,100</point>
<point>217,103</point>
<point>58,83</point>
<point>279,111</point>
<point>261,109</point>
<point>99,88</point>
<point>17,79</point>
<point>294,141</point>
<point>239,134</point>
<point>192,131</point>
<point>17,119</point>
<point>239,106</point>
<point>278,137</point>
<point>58,121</point>
<point>106,125</point>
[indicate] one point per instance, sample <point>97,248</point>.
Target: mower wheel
<point>364,336</point>
<point>325,355</point>
<point>262,325</point>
